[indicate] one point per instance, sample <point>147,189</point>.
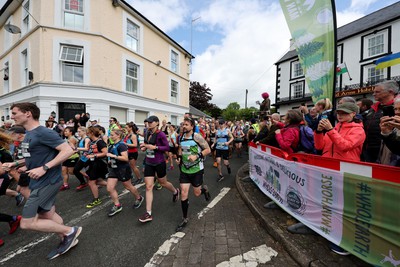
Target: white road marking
<point>164,249</point>
<point>257,255</point>
<point>214,202</point>
<point>75,221</point>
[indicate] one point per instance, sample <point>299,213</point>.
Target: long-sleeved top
<point>270,138</point>
<point>345,141</point>
<point>289,138</point>
<point>392,141</point>
<point>155,157</point>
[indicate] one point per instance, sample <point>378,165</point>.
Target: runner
<point>155,144</point>
<point>172,146</point>
<point>83,162</point>
<point>44,151</point>
<point>132,141</point>
<point>69,164</point>
<point>119,170</point>
<point>97,164</point>
<point>191,152</point>
<point>223,139</point>
<point>12,220</point>
<point>238,136</point>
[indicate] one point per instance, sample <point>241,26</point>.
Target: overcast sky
<point>235,42</point>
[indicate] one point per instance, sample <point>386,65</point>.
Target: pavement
<point>305,249</point>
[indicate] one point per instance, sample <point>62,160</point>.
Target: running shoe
<point>157,186</point>
<point>176,196</point>
<point>221,177</point>
<point>94,203</point>
<point>1,242</point>
<point>68,242</point>
<point>138,181</point>
<point>14,225</point>
<point>114,210</point>
<point>56,252</point>
<point>64,187</point>
<point>215,164</point>
<point>138,202</point>
<point>146,218</point>
<point>81,187</point>
<point>19,199</point>
<point>338,250</point>
<point>207,195</point>
<point>229,170</point>
<point>182,225</point>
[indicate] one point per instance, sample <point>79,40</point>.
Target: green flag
<point>312,25</point>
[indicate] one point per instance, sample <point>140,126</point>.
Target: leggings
<point>77,170</point>
<point>6,218</point>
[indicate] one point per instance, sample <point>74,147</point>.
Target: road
<point>123,241</point>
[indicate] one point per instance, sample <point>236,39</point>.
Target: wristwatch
<point>45,168</point>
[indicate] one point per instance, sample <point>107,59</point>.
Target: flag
<point>312,25</point>
<point>341,68</point>
<point>388,61</point>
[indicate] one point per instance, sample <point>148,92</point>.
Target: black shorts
<point>151,170</point>
<point>97,169</point>
<point>24,179</point>
<point>224,154</point>
<point>195,179</point>
<point>123,174</point>
<point>4,183</point>
<point>133,155</point>
<point>172,149</point>
<point>70,163</point>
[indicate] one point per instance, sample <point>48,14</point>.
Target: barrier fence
<point>353,204</point>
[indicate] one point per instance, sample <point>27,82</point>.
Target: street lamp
<point>191,34</point>
<point>245,100</point>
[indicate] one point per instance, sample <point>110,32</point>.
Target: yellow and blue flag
<point>388,61</point>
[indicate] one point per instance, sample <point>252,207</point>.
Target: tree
<point>214,111</point>
<point>234,106</point>
<point>199,96</point>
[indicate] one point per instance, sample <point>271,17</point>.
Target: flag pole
<point>348,73</point>
<point>335,53</point>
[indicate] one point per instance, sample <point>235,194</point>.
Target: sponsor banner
<point>356,212</point>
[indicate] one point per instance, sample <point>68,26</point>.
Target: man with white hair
<point>384,93</point>
<point>7,125</point>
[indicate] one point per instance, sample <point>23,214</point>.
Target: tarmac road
<point>123,241</point>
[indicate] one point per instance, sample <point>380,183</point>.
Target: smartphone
<point>388,111</point>
<point>324,116</point>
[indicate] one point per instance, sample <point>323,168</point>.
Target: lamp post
<point>191,34</point>
<point>245,100</point>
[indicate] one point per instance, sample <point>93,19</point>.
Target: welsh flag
<point>341,68</point>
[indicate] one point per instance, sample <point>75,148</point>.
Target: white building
<point>96,56</point>
<point>359,44</point>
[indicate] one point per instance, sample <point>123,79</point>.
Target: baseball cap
<point>152,119</point>
<point>348,107</point>
<point>17,129</point>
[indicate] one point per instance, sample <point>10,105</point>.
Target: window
<point>375,76</point>
<point>132,36</point>
<point>297,90</point>
<point>376,45</point>
<point>132,77</point>
<point>6,84</point>
<point>174,61</point>
<point>73,14</point>
<point>24,64</point>
<point>71,58</point>
<point>25,17</point>
<point>297,70</point>
<point>174,120</point>
<point>174,91</point>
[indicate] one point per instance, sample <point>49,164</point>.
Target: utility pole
<point>245,100</point>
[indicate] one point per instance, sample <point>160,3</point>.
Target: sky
<point>236,42</point>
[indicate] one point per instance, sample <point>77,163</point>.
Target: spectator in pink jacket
<point>345,140</point>
<point>288,138</point>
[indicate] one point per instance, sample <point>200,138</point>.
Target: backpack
<point>306,140</point>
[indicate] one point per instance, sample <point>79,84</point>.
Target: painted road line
<point>75,221</point>
<point>257,255</point>
<point>214,202</point>
<point>164,249</point>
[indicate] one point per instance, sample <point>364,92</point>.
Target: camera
<point>388,111</point>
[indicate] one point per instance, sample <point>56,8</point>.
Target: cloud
<point>255,36</point>
<point>165,14</point>
<point>361,5</point>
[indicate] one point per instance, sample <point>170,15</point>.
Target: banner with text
<point>358,213</point>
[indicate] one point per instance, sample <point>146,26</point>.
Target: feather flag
<point>313,28</point>
<point>341,69</point>
<point>388,61</point>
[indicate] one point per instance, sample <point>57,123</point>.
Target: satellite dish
<point>12,28</point>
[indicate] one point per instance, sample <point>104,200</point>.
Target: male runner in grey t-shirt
<point>43,151</point>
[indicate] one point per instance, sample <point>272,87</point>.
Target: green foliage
<point>200,96</point>
<point>309,49</point>
<point>314,59</point>
<point>317,85</point>
<point>233,105</point>
<point>214,111</point>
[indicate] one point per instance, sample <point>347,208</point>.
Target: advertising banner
<point>360,214</point>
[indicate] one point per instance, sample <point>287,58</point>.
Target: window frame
<point>128,36</point>
<point>6,82</point>
<point>174,65</point>
<point>386,32</point>
<point>25,67</point>
<point>75,64</point>
<point>75,13</point>
<point>171,97</point>
<point>293,69</point>
<point>25,17</point>
<point>292,91</point>
<point>137,78</point>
